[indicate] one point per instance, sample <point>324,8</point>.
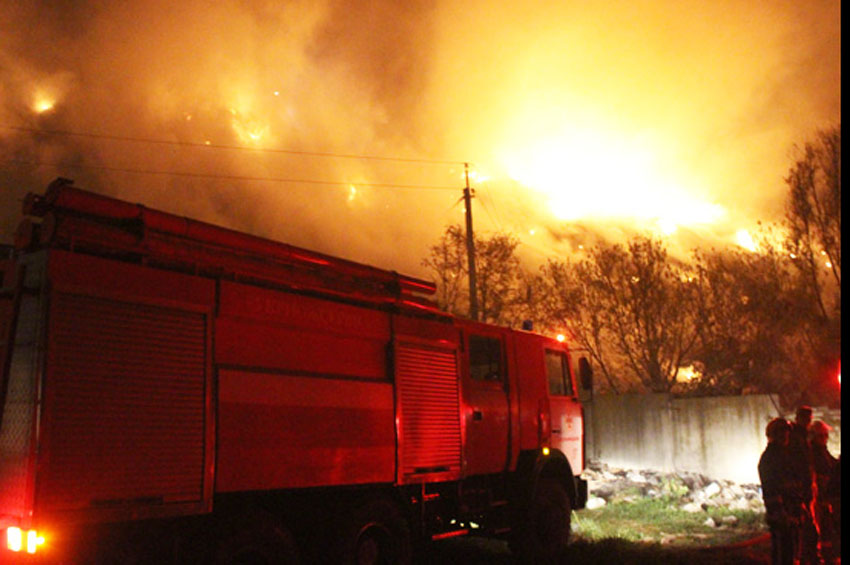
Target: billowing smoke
<point>582,120</point>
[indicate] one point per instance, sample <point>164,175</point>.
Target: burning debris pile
<point>688,491</point>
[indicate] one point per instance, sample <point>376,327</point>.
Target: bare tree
<point>631,307</point>
<point>749,321</point>
<point>447,260</point>
<point>813,214</point>
<point>651,309</point>
<point>567,299</point>
<point>813,218</point>
<point>498,274</point>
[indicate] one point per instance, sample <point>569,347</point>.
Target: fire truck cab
<point>174,391</point>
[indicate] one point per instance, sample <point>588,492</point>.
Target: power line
<point>225,177</point>
<point>495,204</point>
<point>484,205</point>
<point>109,137</point>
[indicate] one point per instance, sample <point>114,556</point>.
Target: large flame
<point>596,174</point>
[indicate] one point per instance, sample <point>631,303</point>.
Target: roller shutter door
<point>125,399</point>
<point>427,383</point>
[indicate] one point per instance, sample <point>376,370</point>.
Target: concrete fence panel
<point>720,437</point>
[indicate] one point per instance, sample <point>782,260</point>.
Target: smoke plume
<point>581,120</point>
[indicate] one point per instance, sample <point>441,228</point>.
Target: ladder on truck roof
<point>84,221</point>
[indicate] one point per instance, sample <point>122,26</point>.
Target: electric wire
<point>227,177</point>
<point>525,241</point>
<point>495,208</point>
<point>489,215</point>
<point>329,154</point>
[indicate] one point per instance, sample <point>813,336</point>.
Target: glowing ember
<point>687,374</point>
<point>248,130</point>
<point>43,103</point>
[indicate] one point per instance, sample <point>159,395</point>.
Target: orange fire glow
<point>591,173</point>
<point>249,130</point>
<point>43,102</point>
<point>745,240</point>
<point>592,120</point>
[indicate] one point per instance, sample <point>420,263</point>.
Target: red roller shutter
<point>125,405</point>
<point>430,436</point>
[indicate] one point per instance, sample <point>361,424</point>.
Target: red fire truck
<point>173,391</point>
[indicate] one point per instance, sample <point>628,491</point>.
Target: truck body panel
<point>281,431</point>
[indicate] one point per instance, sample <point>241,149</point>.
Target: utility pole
<point>470,247</point>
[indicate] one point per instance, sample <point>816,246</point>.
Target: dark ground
<point>477,551</point>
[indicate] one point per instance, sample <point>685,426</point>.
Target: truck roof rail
<point>81,220</point>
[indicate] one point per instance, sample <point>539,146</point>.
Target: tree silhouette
<point>498,273</point>
<point>749,309</point>
<point>813,218</point>
<point>813,214</point>
<point>631,307</point>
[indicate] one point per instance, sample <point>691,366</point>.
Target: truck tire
<point>256,539</point>
<point>544,530</point>
<point>374,533</point>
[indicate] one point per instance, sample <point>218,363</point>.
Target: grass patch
<point>661,520</point>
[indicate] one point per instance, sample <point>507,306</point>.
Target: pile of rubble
<point>691,492</point>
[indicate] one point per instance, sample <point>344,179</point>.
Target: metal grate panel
<point>430,416</point>
<point>125,395</point>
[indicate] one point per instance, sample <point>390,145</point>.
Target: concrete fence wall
<point>720,437</point>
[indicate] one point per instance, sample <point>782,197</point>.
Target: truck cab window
<point>485,358</point>
<point>558,373</point>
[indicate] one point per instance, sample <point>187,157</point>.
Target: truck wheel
<point>375,533</point>
<point>545,528</point>
<point>258,539</point>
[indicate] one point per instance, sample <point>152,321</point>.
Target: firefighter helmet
<point>776,427</point>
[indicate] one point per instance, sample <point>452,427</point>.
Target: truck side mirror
<point>585,373</point>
